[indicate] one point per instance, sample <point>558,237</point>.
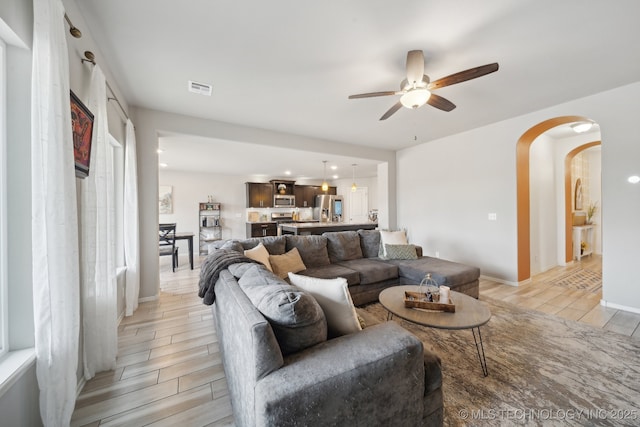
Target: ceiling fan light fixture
<point>415,98</point>
<point>581,127</point>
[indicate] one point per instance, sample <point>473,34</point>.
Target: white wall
<point>544,218</point>
<point>447,187</point>
<point>594,157</point>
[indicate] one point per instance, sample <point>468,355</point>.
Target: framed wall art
<point>82,126</point>
<point>165,198</point>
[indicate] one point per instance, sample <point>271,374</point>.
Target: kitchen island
<point>299,228</point>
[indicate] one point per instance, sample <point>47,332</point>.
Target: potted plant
<point>591,211</point>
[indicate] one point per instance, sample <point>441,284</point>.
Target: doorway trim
<point>523,204</point>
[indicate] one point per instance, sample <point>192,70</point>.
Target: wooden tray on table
<point>420,300</point>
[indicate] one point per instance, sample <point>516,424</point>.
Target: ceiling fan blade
<point>372,94</point>
<point>463,76</point>
<point>440,103</point>
<point>391,110</point>
<point>415,66</point>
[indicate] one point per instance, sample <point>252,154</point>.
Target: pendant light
<point>325,184</point>
<point>354,187</point>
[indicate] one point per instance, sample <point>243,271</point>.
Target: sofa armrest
<point>418,251</point>
<point>372,377</point>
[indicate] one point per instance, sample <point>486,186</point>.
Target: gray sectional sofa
<point>355,256</point>
<point>282,370</point>
<point>281,366</point>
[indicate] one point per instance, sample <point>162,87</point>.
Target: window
<point>117,166</point>
<point>3,205</point>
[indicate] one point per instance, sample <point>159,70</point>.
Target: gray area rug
<point>587,280</point>
<point>543,370</point>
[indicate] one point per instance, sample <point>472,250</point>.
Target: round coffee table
<point>470,314</point>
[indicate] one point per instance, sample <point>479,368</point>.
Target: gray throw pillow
<point>312,249</point>
<point>343,245</point>
<point>400,252</point>
<point>295,316</point>
<point>369,243</point>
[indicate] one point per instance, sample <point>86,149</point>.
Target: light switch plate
<point>493,217</point>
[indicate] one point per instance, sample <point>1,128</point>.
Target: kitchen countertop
<point>321,227</point>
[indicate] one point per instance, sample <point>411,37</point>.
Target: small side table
<point>582,233</point>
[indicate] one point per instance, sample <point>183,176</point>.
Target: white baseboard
<point>147,299</point>
<point>619,306</point>
<point>504,282</point>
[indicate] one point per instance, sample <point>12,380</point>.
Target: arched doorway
<point>523,191</point>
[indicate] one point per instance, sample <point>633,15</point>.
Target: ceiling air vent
<point>200,88</point>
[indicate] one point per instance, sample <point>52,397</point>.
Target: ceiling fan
<point>416,89</point>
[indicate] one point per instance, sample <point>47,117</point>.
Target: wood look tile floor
<point>169,370</point>
<point>541,294</point>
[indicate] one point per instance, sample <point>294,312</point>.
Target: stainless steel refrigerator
<point>329,208</point>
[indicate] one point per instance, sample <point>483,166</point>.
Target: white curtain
<point>54,218</point>
<point>131,226</point>
<point>97,225</point>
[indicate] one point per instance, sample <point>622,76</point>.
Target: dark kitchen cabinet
<point>259,195</point>
<point>306,194</point>
<point>261,229</point>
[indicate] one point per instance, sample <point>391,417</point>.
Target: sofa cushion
<point>295,316</point>
<point>369,243</point>
<point>400,252</point>
<point>343,245</point>
<point>371,270</point>
<point>332,271</point>
<point>444,272</point>
<point>260,254</point>
<point>232,244</point>
<point>335,300</point>
<point>432,372</point>
<point>398,237</point>
<point>286,263</point>
<point>313,249</point>
<point>276,245</point>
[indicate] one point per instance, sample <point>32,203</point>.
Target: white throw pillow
<point>335,300</point>
<point>391,238</point>
<point>260,254</point>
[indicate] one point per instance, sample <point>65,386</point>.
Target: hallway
<point>543,294</point>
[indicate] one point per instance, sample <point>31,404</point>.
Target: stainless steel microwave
<point>284,201</point>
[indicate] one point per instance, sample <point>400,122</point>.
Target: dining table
<point>188,236</point>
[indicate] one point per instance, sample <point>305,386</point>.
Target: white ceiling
<point>289,65</point>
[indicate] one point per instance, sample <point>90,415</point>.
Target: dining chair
<point>167,237</point>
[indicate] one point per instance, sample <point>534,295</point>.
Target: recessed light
<point>287,172</point>
<point>335,177</point>
<point>163,165</point>
<point>334,167</point>
<point>159,150</point>
<point>581,127</point>
<point>634,179</point>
